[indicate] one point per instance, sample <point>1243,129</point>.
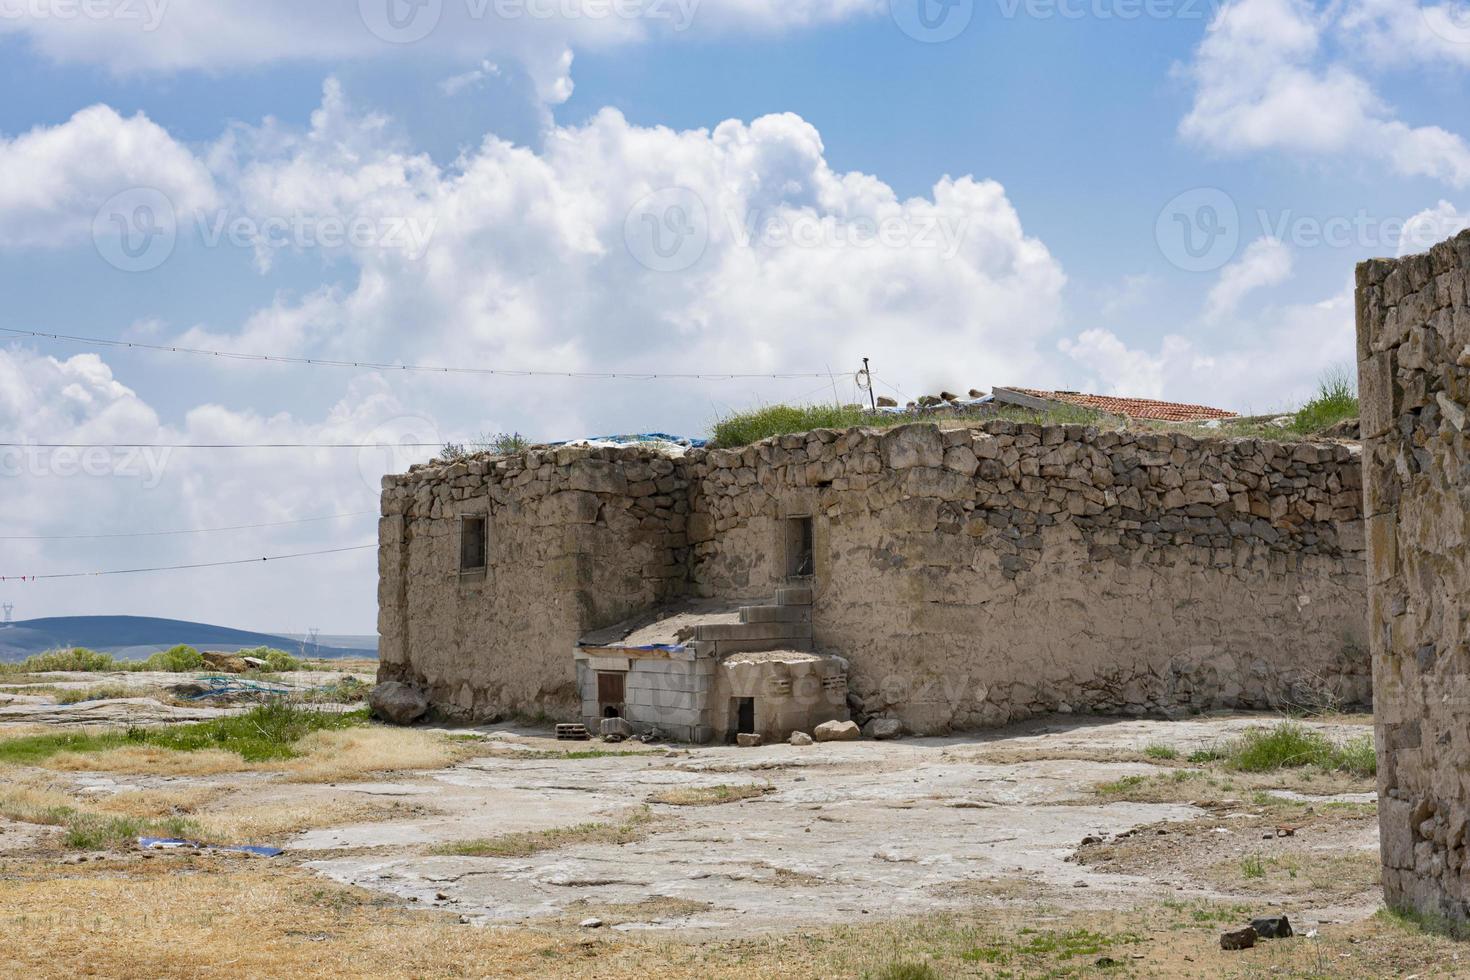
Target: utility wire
<point>424,368</point>
<point>193,530</point>
<point>171,568</point>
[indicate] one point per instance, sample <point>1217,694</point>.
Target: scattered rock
<point>1239,939</point>
<point>398,703</point>
<point>618,727</point>
<point>883,728</point>
<point>255,663</point>
<point>226,663</point>
<point>800,738</point>
<point>837,731</point>
<point>949,396</point>
<point>976,393</point>
<point>747,740</point>
<point>1272,927</point>
<point>591,923</point>
<point>885,402</point>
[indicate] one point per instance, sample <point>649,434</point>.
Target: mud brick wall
<point>576,539</point>
<point>1414,381</point>
<point>977,576</point>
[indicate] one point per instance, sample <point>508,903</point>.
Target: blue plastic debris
<point>171,842</point>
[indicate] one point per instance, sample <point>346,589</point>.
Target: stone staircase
<point>785,624</point>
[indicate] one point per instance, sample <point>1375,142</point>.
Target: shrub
<point>276,661</point>
<point>73,659</point>
<point>175,660</point>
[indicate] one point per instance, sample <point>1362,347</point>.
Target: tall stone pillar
<point>1414,385</point>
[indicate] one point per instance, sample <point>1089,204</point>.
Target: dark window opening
<point>471,544</point>
<point>744,715</point>
<point>610,711</point>
<point>799,560</point>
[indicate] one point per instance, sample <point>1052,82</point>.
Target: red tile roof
<point>1138,408</point>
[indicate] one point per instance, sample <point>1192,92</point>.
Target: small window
<point>799,546</point>
<point>471,544</point>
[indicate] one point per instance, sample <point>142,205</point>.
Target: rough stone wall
<point>1414,370</point>
<point>970,577</point>
<point>576,539</point>
<point>977,576</point>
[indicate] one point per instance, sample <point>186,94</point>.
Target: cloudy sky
<point>1156,198</point>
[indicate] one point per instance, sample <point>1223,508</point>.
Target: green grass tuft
<point>1158,751</point>
<point>265,732</point>
<point>1336,400</point>
<point>1290,745</point>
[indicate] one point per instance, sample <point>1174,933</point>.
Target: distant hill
<point>130,637</point>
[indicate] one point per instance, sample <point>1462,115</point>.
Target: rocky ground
<point>956,853</point>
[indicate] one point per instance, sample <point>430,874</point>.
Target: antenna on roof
<point>865,382</point>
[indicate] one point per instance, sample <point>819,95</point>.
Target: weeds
<point>708,795</point>
<point>265,732</point>
<point>1157,751</point>
<point>526,843</point>
<point>1290,745</point>
<point>744,428</point>
<point>71,660</point>
<point>1336,400</point>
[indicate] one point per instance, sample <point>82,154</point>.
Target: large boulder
<point>398,703</point>
<point>881,728</point>
<point>837,731</point>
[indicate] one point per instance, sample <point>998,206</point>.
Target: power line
<point>171,568</point>
<point>194,530</point>
<point>423,368</point>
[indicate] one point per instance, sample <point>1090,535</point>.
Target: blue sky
<point>1037,171</point>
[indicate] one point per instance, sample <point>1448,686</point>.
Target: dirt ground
<point>1066,847</point>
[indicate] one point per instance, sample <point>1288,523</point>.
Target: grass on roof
<point>743,428</point>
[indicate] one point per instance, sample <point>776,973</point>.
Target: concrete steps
<point>776,614</point>
<point>775,632</point>
<point>794,595</point>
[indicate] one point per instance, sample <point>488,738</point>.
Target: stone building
<point>947,578</point>
<point>1414,385</point>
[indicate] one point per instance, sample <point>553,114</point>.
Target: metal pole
<point>872,399</point>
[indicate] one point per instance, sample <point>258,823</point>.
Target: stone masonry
<point>1414,370</point>
<point>969,576</point>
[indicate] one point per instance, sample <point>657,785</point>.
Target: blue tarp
<point>256,849</point>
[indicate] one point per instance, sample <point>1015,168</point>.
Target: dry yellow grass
<point>329,756</point>
<point>209,916</point>
<point>264,823</point>
<point>326,756</point>
<point>636,826</point>
<point>148,759</point>
<point>708,795</point>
